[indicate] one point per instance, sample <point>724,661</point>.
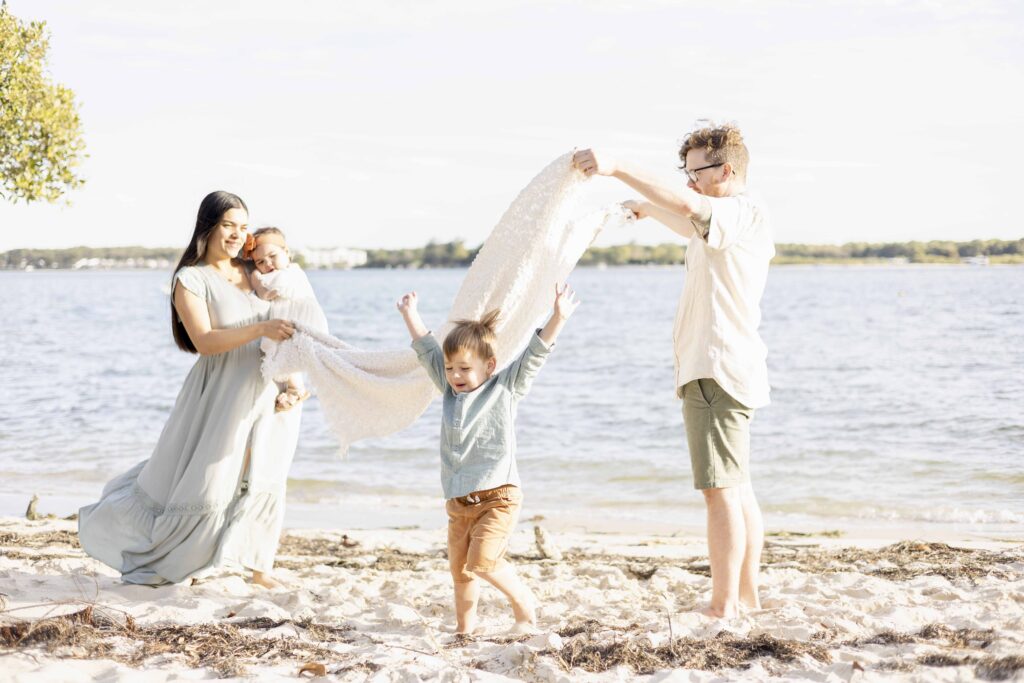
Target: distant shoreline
<point>457,255</point>
<point>859,263</point>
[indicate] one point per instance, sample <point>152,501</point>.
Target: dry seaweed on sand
<point>724,651</point>
<point>782,533</point>
<point>66,629</point>
<point>999,668</point>
<point>961,637</point>
<point>578,626</point>
<point>224,647</point>
<point>39,540</point>
<point>900,561</point>
<point>985,668</point>
<point>958,638</point>
<point>897,562</point>
<point>345,554</point>
<point>318,546</point>
<point>34,557</point>
<point>988,668</point>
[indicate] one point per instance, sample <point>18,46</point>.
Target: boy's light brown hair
<point>476,336</point>
<point>723,144</point>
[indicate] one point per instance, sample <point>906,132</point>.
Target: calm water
<point>898,398</point>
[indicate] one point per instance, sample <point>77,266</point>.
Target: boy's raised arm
<point>428,351</point>
<point>565,304</point>
<point>521,372</point>
<point>411,316</point>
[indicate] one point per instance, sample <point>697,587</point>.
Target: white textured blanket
<point>366,393</point>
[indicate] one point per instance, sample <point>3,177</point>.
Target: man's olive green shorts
<point>718,435</point>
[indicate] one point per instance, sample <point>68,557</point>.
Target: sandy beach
<point>375,605</point>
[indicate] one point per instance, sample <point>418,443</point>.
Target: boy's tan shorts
<point>479,532</point>
<point>718,435</point>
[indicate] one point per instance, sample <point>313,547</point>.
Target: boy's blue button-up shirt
<point>478,436</point>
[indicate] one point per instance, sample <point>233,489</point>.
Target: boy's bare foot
<point>266,580</point>
<point>525,628</point>
<point>525,609</point>
<point>470,627</point>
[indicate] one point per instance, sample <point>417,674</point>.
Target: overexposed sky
<point>386,124</point>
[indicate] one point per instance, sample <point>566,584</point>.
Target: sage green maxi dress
<point>190,506</point>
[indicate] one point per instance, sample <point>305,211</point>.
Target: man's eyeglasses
<point>692,173</point>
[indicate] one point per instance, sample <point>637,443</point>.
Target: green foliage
<point>937,251</point>
<point>634,254</point>
<point>41,141</point>
<point>434,255</point>
<point>67,258</point>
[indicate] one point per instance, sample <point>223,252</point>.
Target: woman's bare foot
<point>266,580</point>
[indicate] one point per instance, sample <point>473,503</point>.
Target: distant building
<point>120,263</point>
<point>333,257</point>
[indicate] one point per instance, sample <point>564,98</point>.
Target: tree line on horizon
<point>456,254</point>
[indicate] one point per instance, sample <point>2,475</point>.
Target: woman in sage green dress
<point>212,492</point>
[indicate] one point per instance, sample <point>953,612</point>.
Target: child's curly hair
<point>722,143</point>
<point>476,336</point>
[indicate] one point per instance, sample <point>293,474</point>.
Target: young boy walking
<point>478,444</point>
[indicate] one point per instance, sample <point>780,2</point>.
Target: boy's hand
<point>565,301</point>
<point>407,307</point>
<point>407,304</point>
<point>638,208</point>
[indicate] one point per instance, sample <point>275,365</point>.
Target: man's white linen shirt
<point>715,333</point>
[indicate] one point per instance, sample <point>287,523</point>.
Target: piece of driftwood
<point>548,550</point>
<point>31,514</point>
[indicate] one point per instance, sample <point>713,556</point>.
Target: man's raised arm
<point>681,201</point>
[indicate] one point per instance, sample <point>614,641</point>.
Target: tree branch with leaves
<point>41,140</point>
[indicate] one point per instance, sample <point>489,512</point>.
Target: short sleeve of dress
<point>191,279</point>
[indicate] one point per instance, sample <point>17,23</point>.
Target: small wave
<point>830,508</point>
<point>947,516</point>
<point>942,516</point>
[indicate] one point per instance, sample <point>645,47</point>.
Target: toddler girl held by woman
<point>281,281</point>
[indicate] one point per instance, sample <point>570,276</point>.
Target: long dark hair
<point>211,211</point>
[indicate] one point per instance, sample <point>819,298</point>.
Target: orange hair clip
<point>248,247</point>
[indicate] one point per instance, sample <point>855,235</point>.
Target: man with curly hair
<point>720,360</point>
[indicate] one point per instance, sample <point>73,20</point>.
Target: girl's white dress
<point>295,301</point>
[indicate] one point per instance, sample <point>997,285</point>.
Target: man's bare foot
<point>266,580</point>
<point>714,613</point>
